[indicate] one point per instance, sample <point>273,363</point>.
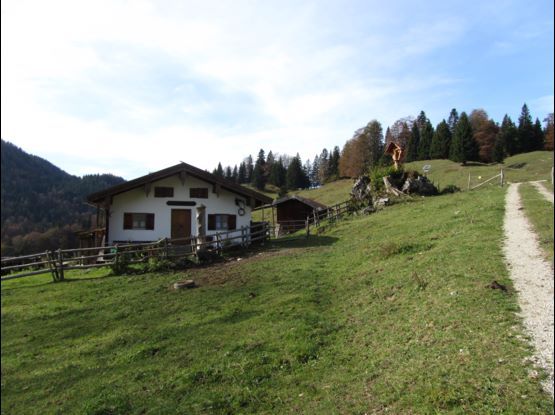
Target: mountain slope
<point>38,197</point>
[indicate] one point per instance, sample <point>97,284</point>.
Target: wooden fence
<point>56,262</point>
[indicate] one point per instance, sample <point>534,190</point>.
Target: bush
<point>451,188</point>
<point>158,265</point>
<point>120,265</point>
<point>378,173</point>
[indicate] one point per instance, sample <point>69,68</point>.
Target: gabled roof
<point>312,203</point>
<point>99,197</point>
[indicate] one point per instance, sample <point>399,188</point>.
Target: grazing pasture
<point>392,312</point>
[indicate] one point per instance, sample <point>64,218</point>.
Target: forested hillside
<point>42,205</point>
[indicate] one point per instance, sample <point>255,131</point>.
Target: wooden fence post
<point>61,263</point>
<point>468,187</point>
<point>52,265</point>
<point>307,224</point>
<point>502,177</point>
<point>166,248</point>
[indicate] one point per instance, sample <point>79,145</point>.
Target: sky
<point>131,87</point>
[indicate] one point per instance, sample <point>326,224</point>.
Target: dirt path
<point>533,279</point>
<point>546,193</point>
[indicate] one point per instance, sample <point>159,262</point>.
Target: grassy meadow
<point>386,313</point>
<point>540,213</point>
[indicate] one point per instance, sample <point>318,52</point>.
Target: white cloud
<point>113,84</point>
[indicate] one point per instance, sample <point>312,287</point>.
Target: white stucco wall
<point>136,201</point>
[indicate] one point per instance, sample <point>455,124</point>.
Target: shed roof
<point>99,197</point>
<point>312,203</point>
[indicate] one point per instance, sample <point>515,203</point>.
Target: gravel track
<point>546,193</point>
<point>533,279</point>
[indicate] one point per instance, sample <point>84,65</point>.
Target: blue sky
<point>130,87</point>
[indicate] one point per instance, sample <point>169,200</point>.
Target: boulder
<point>419,185</point>
<point>361,193</point>
<point>184,284</point>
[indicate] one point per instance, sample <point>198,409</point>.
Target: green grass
<point>522,167</point>
<point>383,313</point>
<point>519,168</point>
<point>540,212</point>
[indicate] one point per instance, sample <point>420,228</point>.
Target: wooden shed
<point>292,212</point>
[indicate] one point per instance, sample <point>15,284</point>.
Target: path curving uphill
<point>546,193</point>
<point>533,279</point>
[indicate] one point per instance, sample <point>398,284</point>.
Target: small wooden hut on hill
<point>292,212</point>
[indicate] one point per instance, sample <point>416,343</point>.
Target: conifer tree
<point>249,169</point>
<point>499,148</point>
<point>508,136</point>
<point>525,137</point>
<point>235,174</point>
<point>219,170</point>
<point>549,132</point>
<point>463,145</point>
<point>314,179</point>
<point>296,177</point>
<point>441,141</point>
<point>277,173</point>
<point>334,163</point>
<point>242,175</point>
<point>228,174</point>
<point>374,134</point>
<point>323,168</point>
<point>426,135</point>
<point>453,120</point>
<point>538,141</point>
<point>258,174</point>
<point>414,142</point>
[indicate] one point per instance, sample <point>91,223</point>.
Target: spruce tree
<point>549,132</point>
<point>242,175</point>
<point>249,169</point>
<point>259,172</point>
<point>538,141</point>
<point>296,177</point>
<point>499,148</point>
<point>441,141</point>
<point>426,135</point>
<point>414,142</point>
<point>463,145</point>
<point>525,137</point>
<point>314,177</point>
<point>334,163</point>
<point>508,136</point>
<point>235,174</point>
<point>323,168</point>
<point>374,134</point>
<point>228,174</point>
<point>277,173</point>
<point>453,120</point>
<point>219,170</point>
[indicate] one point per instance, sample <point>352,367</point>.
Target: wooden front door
<point>181,223</point>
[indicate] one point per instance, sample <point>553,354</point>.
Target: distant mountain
<point>42,205</point>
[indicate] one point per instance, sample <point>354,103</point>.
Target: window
<point>138,221</point>
<point>199,192</point>
<point>160,191</point>
<point>221,222</point>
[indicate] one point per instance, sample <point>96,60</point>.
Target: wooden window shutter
<point>150,221</point>
<point>231,222</point>
<point>127,221</point>
<point>211,222</point>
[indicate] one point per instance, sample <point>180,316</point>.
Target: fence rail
<point>56,262</point>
